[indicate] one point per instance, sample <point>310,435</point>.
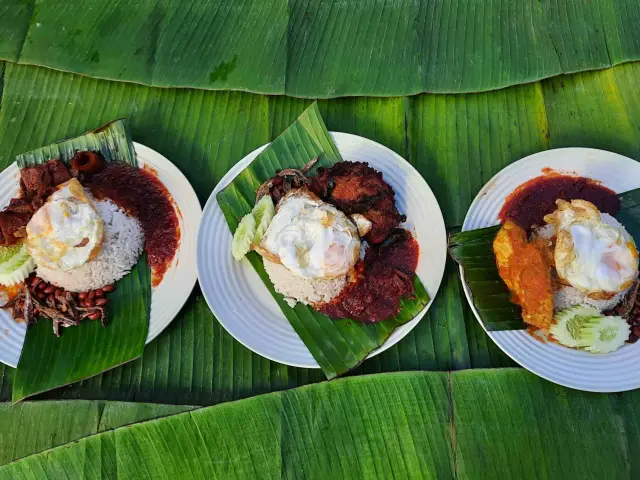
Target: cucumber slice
<point>15,264</point>
<point>243,237</point>
<point>263,212</point>
<point>567,326</point>
<point>604,334</point>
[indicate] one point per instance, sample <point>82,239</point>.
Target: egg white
<point>67,231</point>
<point>593,253</point>
<point>311,238</point>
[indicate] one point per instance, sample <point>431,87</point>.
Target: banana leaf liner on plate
<point>337,345</point>
<point>46,361</point>
<point>473,251</point>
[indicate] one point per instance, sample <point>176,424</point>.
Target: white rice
<point>567,296</point>
<point>304,290</point>
<point>122,246</point>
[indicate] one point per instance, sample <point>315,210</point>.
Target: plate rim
<point>141,150</point>
<point>191,197</point>
<point>409,326</point>
<point>492,334</point>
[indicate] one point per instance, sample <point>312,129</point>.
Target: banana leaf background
<point>460,89</point>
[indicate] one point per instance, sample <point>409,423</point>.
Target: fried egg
<point>593,253</point>
<point>67,231</point>
<point>311,238</point>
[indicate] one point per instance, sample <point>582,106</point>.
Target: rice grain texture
<point>122,246</point>
<point>308,291</point>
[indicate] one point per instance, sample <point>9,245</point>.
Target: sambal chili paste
<point>384,277</point>
<point>142,195</point>
<point>531,201</point>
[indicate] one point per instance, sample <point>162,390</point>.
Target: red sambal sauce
<point>385,276</point>
<point>528,204</point>
<point>141,194</point>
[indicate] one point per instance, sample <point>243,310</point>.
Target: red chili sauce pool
<point>384,277</point>
<point>141,194</point>
<point>531,201</point>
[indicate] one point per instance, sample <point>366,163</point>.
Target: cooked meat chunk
<point>526,269</point>
<point>36,184</point>
<point>19,205</point>
<point>36,181</point>
<point>355,187</point>
<point>13,226</point>
<point>39,181</point>
<point>58,171</point>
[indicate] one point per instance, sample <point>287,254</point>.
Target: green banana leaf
<point>47,361</point>
<point>629,214</point>
<point>337,345</point>
<point>504,423</point>
<point>473,250</point>
<point>204,132</point>
<point>33,427</point>
<point>322,49</point>
<point>112,140</point>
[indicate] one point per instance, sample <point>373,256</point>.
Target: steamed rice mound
<point>122,246</point>
<point>308,291</point>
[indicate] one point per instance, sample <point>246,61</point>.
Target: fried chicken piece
<point>526,269</point>
<point>355,187</point>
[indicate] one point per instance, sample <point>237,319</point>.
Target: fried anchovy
<point>309,165</point>
<point>264,189</point>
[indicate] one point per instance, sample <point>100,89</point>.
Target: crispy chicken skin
<point>355,187</point>
<point>526,269</point>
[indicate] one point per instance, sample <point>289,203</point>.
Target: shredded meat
<point>355,187</point>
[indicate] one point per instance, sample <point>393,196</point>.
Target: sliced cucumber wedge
<point>604,334</point>
<point>243,237</point>
<point>567,326</point>
<point>263,212</point>
<point>15,264</point>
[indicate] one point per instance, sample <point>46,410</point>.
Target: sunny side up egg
<point>67,231</point>
<point>311,238</point>
<point>594,253</point>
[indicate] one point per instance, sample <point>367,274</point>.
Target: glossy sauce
<point>531,201</point>
<point>140,193</point>
<point>384,277</point>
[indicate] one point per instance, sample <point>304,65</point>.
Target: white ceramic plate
<point>239,298</point>
<point>614,372</point>
<point>167,298</point>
